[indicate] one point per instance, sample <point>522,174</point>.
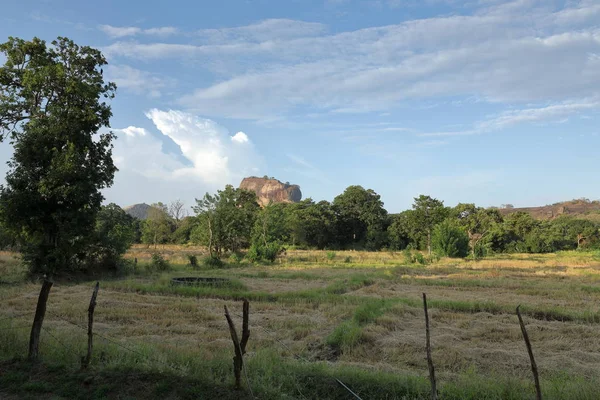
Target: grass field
<point>314,317</point>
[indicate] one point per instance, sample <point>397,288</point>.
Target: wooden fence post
<point>534,369</point>
<point>239,347</point>
<point>38,320</point>
<point>91,309</point>
<point>428,346</point>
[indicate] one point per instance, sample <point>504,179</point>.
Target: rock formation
<point>271,190</point>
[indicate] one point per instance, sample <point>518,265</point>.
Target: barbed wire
<point>15,327</point>
<point>298,356</point>
<point>16,316</point>
<point>117,343</point>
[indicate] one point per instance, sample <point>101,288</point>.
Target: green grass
<point>358,322</point>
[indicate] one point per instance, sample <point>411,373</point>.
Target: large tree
<point>225,219</point>
<point>477,222</point>
<point>52,105</point>
<point>361,217</point>
<point>427,212</point>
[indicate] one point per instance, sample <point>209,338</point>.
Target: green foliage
<point>183,232</point>
<point>311,224</point>
<point>264,252</point>
<point>235,258</point>
<point>158,263</point>
<point>345,336</point>
<point>361,219</point>
<point>270,224</point>
<point>449,240</point>
<point>114,234</point>
<point>158,226</point>
<point>52,107</point>
<point>331,255</point>
<point>7,239</point>
<point>193,260</point>
<point>225,220</point>
<point>426,213</point>
<point>399,232</point>
<point>213,262</point>
<point>348,260</point>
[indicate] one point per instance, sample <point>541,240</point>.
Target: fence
<point>239,345</point>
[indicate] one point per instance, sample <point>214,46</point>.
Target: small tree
<point>158,226</point>
<point>51,105</point>
<point>115,233</point>
<point>449,240</point>
<point>427,212</point>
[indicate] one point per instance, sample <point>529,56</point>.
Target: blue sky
<point>481,101</point>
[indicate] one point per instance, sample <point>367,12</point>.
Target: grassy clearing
<point>315,317</point>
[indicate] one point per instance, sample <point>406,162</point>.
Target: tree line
<point>231,220</point>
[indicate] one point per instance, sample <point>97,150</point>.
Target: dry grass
<point>474,329</point>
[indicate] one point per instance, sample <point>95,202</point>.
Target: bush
<point>419,258</point>
<point>235,258</point>
<point>158,263</point>
<point>448,240</point>
<point>193,260</point>
<point>213,262</point>
<point>348,259</point>
<point>262,252</point>
<point>331,255</point>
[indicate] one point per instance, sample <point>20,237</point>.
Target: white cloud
<point>240,137</point>
<point>137,81</point>
<point>269,29</point>
<point>123,31</point>
<point>210,159</point>
<point>554,113</point>
<point>506,52</point>
<point>119,31</point>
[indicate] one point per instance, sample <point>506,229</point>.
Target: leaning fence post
<point>91,308</point>
<point>428,346</point>
<point>38,320</point>
<point>239,347</point>
<point>534,369</point>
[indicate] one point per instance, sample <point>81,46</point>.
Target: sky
<point>480,101</point>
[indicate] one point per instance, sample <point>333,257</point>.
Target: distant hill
<point>579,208</point>
<point>139,211</point>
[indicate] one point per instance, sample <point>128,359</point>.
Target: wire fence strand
<point>298,356</point>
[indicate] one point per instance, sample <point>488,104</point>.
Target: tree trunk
<point>429,241</point>
<point>210,236</point>
<point>38,320</point>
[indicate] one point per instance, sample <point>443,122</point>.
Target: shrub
<point>449,240</point>
<point>331,255</point>
<point>408,257</point>
<point>348,259</point>
<point>419,258</point>
<point>158,263</point>
<point>345,336</point>
<point>235,258</point>
<point>262,252</point>
<point>213,262</point>
<point>193,260</point>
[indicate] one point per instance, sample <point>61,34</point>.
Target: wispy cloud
<point>514,52</point>
<point>123,31</point>
<point>555,113</point>
<point>138,81</point>
<point>306,169</point>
